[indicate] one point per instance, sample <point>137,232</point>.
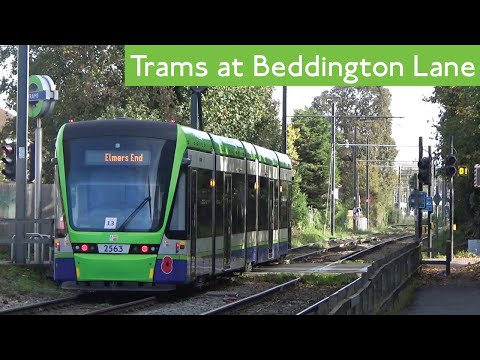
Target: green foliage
<point>313,148</point>
<point>18,280</point>
<point>308,235</point>
<point>363,102</point>
<point>460,120</point>
<point>464,253</point>
<point>299,207</point>
<point>328,279</point>
<point>299,199</point>
<point>89,79</point>
<point>246,113</point>
<point>394,216</point>
<point>276,278</point>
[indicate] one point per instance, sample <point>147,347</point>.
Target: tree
<point>89,79</point>
<point>313,148</point>
<point>247,113</point>
<point>352,103</point>
<point>299,199</point>
<point>460,118</point>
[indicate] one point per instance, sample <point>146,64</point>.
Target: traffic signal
<point>31,162</point>
<point>425,171</point>
<point>450,168</point>
<point>411,182</point>
<point>476,176</point>
<point>10,160</point>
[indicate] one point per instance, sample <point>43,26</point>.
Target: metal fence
<point>38,249</point>
<point>376,290</point>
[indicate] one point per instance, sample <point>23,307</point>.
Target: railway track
<point>45,307</point>
<point>250,300</point>
<point>292,297</point>
<point>296,298</point>
<point>82,304</point>
<point>349,249</point>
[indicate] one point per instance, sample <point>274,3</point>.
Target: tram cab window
<point>177,226</point>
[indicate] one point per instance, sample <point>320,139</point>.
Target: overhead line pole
<point>430,243</point>
<point>21,140</point>
<point>332,161</point>
<point>420,188</point>
<point>284,121</point>
<point>367,203</point>
<point>332,153</point>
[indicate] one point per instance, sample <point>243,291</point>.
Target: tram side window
<point>263,204</point>
<point>177,227</point>
<point>275,204</point>
<point>251,203</point>
<point>204,203</point>
<point>238,204</point>
<point>284,204</point>
<point>219,204</point>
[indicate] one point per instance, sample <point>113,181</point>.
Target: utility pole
<point>398,191</point>
<point>444,202</point>
<point>436,214</point>
<point>429,218</point>
<point>332,161</point>
<point>416,191</point>
<point>196,121</point>
<point>284,121</point>
<point>420,188</point>
<point>450,251</point>
<point>367,203</point>
<point>21,140</point>
<point>354,160</point>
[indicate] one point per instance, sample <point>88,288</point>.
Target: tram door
<point>193,221</point>
<point>227,221</point>
<point>271,199</point>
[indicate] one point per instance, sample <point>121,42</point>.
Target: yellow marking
<point>151,274</point>
<point>454,226</point>
<point>78,271</point>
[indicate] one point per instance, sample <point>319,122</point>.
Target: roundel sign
<point>42,95</point>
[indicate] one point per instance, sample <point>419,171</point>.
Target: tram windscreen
<point>108,177</point>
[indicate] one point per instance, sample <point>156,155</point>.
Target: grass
<point>277,278</point>
<point>19,280</point>
<point>464,254</point>
<point>314,235</point>
<point>357,261</point>
<point>328,279</point>
<point>458,254</point>
<point>309,279</point>
<point>307,236</point>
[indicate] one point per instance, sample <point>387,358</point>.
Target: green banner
<point>305,65</point>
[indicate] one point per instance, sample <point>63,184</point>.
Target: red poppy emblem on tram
<point>167,265</point>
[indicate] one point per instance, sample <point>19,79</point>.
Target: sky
<point>417,115</point>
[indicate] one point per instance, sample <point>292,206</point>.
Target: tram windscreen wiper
<point>134,213</point>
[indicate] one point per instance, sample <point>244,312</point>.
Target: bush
<point>299,208</point>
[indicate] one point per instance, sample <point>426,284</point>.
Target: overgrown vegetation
<point>320,279</point>
<point>18,280</point>
<point>460,121</point>
<point>277,278</point>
